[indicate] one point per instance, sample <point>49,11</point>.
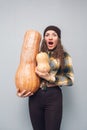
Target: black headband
<point>54,28</point>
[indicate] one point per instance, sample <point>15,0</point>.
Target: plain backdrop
<point>18,16</point>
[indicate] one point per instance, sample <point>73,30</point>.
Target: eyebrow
<point>47,33</point>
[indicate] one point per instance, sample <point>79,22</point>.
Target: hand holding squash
<point>44,75</point>
<point>23,93</point>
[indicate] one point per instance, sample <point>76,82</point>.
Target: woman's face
<point>51,39</point>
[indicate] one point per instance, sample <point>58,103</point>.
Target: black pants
<point>45,108</point>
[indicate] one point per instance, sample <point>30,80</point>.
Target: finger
<point>36,70</point>
<point>20,94</point>
<point>28,94</point>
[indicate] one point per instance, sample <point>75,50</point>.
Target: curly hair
<point>58,52</point>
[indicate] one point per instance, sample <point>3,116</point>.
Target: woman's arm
<point>66,77</point>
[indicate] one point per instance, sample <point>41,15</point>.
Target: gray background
<point>18,16</point>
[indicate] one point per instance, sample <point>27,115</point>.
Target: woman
<point>45,106</point>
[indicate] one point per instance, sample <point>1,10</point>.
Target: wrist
<point>52,78</point>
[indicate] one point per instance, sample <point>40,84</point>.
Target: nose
<point>50,37</point>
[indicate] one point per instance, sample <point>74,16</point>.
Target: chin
<point>51,48</point>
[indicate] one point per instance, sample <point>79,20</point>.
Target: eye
<point>54,34</point>
<point>47,34</point>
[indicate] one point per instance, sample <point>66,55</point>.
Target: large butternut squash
<point>26,78</point>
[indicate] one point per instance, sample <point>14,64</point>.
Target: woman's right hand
<point>23,93</point>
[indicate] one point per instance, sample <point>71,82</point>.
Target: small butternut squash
<point>26,78</point>
<point>43,62</point>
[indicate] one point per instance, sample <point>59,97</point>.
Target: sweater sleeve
<point>66,76</point>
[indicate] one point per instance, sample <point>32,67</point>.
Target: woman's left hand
<point>44,75</point>
<point>23,93</point>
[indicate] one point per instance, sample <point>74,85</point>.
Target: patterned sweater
<point>64,77</point>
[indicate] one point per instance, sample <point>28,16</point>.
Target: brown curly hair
<point>58,52</point>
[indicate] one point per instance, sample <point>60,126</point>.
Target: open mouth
<point>50,43</point>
